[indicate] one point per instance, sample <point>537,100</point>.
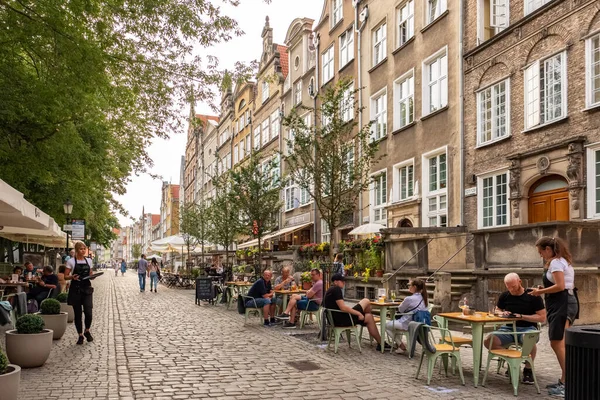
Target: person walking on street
<point>123,267</point>
<point>560,295</point>
<point>142,270</point>
<point>81,291</point>
<point>153,271</point>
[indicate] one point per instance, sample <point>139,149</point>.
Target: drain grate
<point>304,365</point>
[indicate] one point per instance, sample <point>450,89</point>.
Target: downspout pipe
<point>317,42</point>
<point>461,104</point>
<point>358,30</point>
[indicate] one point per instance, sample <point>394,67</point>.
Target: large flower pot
<point>306,285</point>
<point>64,307</point>
<point>28,350</point>
<point>9,382</point>
<point>56,322</point>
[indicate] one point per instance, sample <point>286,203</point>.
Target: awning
<point>287,230</point>
<point>50,237</point>
<point>15,211</point>
<point>250,243</point>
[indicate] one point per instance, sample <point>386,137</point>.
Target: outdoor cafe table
<point>240,287</point>
<point>285,295</point>
<point>477,322</point>
<point>383,311</point>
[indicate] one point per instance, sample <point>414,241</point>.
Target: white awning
<point>250,243</point>
<point>284,231</point>
<point>50,237</point>
<point>15,211</point>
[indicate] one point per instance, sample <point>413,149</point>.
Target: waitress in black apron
<point>81,290</point>
<point>560,295</point>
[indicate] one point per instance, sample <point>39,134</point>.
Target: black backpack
<point>241,305</point>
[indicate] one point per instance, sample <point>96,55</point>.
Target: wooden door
<point>552,205</point>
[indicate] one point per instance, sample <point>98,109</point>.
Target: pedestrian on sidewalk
<point>142,271</point>
<point>123,267</point>
<point>81,290</point>
<point>153,271</point>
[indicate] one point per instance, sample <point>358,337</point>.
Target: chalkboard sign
<point>205,290</point>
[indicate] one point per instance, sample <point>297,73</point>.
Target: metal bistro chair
<point>251,310</point>
<point>514,358</point>
<point>399,333</point>
<point>443,350</point>
<point>306,313</point>
<point>336,331</point>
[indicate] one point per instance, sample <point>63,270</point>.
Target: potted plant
<point>64,307</point>
<point>10,376</point>
<point>30,344</point>
<point>53,317</point>
<point>373,260</point>
<point>306,280</point>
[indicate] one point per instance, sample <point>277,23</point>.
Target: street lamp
<point>68,208</point>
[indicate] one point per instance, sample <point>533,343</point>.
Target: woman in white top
<point>153,271</point>
<point>413,303</point>
<point>562,307</point>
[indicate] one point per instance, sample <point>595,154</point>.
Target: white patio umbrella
<point>53,236</point>
<point>366,229</point>
<point>15,211</point>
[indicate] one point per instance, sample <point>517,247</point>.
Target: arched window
<point>242,105</point>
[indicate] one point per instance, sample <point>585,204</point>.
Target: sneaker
<point>267,324</point>
<point>283,316</point>
<point>554,384</point>
<point>386,348</point>
<point>288,325</point>
<point>275,321</point>
<point>88,336</point>
<point>558,391</point>
<point>527,376</point>
<point>80,340</point>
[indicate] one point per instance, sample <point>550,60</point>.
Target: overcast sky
<point>143,191</point>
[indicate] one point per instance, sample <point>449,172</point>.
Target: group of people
<point>150,270</point>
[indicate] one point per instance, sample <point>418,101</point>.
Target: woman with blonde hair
<point>562,307</point>
<point>78,271</point>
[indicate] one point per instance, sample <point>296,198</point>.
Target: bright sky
<point>143,191</point>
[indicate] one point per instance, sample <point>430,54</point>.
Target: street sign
<point>67,227</point>
<point>93,246</point>
<point>471,192</point>
<point>78,229</point>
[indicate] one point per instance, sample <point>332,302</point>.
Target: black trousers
<point>82,304</point>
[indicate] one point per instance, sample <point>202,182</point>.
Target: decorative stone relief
<point>574,192</point>
<point>515,177</point>
<point>515,209</point>
<point>543,163</point>
<point>574,172</point>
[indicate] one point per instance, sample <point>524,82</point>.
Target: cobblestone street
<point>162,346</point>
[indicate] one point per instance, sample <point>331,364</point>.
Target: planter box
<point>64,307</point>
<point>9,382</point>
<point>28,350</point>
<point>58,323</point>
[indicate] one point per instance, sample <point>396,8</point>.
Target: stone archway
<point>405,223</point>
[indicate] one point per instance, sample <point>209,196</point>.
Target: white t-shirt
<point>560,264</point>
<point>71,263</point>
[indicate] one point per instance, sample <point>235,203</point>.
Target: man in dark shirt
<point>42,288</point>
<point>262,294</point>
<point>360,314</point>
<point>529,309</point>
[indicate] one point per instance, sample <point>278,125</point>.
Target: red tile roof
<point>205,118</point>
<point>155,219</point>
<point>116,231</point>
<point>175,191</point>
<point>283,59</point>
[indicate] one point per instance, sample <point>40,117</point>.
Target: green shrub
<point>30,323</point>
<point>62,297</point>
<point>50,307</point>
<point>3,362</point>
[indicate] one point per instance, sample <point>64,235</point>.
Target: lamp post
<point>68,209</point>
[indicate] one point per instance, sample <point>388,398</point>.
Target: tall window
<point>406,22</point>
<point>435,190</point>
<point>545,90</point>
<point>493,200</point>
<point>435,8</point>
<point>248,144</point>
<point>498,15</point>
<point>379,116</point>
<point>265,91</point>
<point>337,8</point>
<point>404,98</point>
<point>265,131</point>
<point>346,47</point>
<point>290,196</point>
<point>404,181</point>
<point>274,124</point>
<point>327,65</point>
<point>325,234</point>
<point>593,181</point>
<point>379,44</point>
<point>298,92</point>
<point>593,71</point>
<point>378,198</point>
<point>493,114</point>
<point>242,149</point>
<point>257,137</point>
<point>235,154</point>
<point>347,106</point>
<point>348,171</point>
<point>435,82</point>
<point>532,5</point>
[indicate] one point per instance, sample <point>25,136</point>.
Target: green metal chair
<point>514,358</point>
<point>306,313</point>
<point>252,310</point>
<point>336,331</point>
<point>443,350</point>
<point>514,346</point>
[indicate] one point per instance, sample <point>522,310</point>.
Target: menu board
<point>205,290</point>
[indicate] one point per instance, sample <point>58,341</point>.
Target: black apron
<point>557,303</point>
<point>80,291</point>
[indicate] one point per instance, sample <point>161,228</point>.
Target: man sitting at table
<point>529,309</point>
<point>298,302</point>
<point>262,293</point>
<point>283,282</point>
<point>43,286</point>
<point>360,314</point>
<point>28,269</point>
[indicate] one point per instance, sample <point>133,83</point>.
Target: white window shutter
<point>532,95</point>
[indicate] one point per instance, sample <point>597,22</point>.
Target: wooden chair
<point>251,310</point>
<point>514,358</point>
<point>443,350</point>
<point>336,331</point>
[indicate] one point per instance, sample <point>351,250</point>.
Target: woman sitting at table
<point>19,272</point>
<point>417,301</point>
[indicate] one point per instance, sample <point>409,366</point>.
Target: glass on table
<point>462,304</point>
<point>393,295</point>
<point>491,307</point>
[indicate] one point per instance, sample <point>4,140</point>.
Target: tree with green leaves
<point>331,161</point>
<point>87,85</point>
<point>256,188</point>
<point>136,251</point>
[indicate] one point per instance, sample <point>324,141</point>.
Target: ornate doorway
<point>549,200</point>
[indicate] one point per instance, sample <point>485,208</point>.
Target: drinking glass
<point>491,307</point>
<point>393,295</point>
<point>462,305</point>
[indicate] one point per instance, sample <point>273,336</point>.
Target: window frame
<point>346,47</point>
<point>336,10</point>
<point>589,89</point>
<point>290,196</point>
<point>397,181</point>
<point>328,66</point>
<point>298,92</point>
<point>265,91</point>
<point>379,46</point>
<point>373,198</point>
<point>409,20</point>
<point>257,135</point>
<point>480,198</point>
<point>427,193</point>
<point>347,106</point>
<point>235,154</point>
<point>409,75</point>
<point>265,131</point>
<point>494,118</point>
<point>325,231</point>
<point>274,125</point>
<point>427,83</point>
<point>375,115</point>
<point>593,190</point>
<point>443,6</point>
<point>528,7</point>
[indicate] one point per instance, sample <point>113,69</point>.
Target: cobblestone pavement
<point>163,346</point>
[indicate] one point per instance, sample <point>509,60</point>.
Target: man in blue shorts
<point>297,302</point>
<point>262,294</point>
<point>518,303</point>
